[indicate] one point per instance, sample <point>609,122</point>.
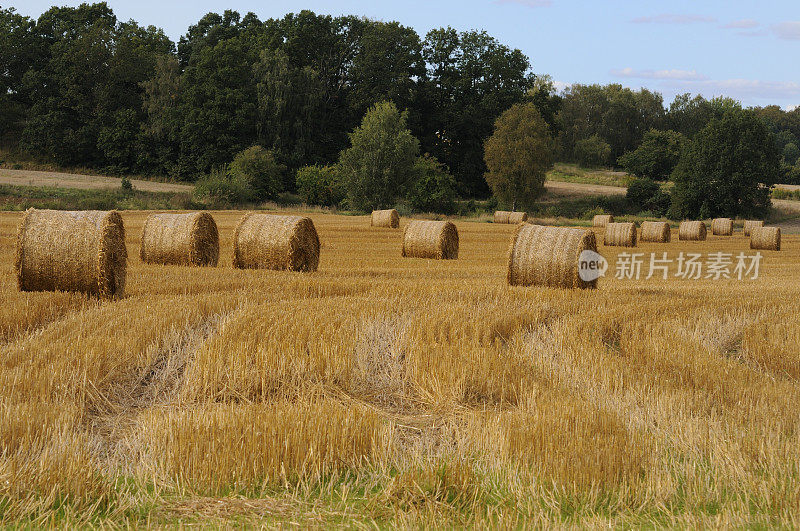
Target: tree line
<point>289,96</point>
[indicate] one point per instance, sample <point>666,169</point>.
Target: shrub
<point>320,185</point>
<point>592,152</point>
<point>223,188</point>
<point>258,167</point>
<point>646,194</point>
<point>126,184</point>
<point>434,189</point>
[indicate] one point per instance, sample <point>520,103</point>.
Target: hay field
<point>402,391</point>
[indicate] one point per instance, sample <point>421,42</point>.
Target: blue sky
<point>744,49</point>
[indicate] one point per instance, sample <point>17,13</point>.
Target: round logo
<point>591,265</point>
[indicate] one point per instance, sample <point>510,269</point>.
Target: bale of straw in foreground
<point>180,239</point>
<point>265,241</point>
<point>750,225</point>
<point>548,256</point>
<point>620,234</point>
<point>766,238</point>
<point>385,218</point>
<point>722,227</point>
<point>655,231</point>
<point>601,220</point>
<point>72,251</point>
<point>692,230</point>
<point>431,239</point>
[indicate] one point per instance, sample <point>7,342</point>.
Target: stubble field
<point>405,392</point>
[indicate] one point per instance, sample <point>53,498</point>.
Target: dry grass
<point>386,392</point>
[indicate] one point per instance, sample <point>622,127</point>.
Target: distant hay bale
<point>180,239</point>
<point>385,218</point>
<point>501,216</point>
<point>72,251</point>
<point>548,256</point>
<point>620,234</point>
<point>431,239</point>
<point>656,231</point>
<point>515,218</point>
<point>601,220</point>
<point>765,238</point>
<point>265,241</point>
<point>722,227</point>
<point>750,225</point>
<point>692,231</point>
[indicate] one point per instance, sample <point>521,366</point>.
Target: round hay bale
<point>749,225</point>
<point>265,241</point>
<point>620,234</point>
<point>385,218</point>
<point>431,239</point>
<point>180,239</point>
<point>765,238</point>
<point>656,231</point>
<point>72,251</point>
<point>548,256</point>
<point>515,218</point>
<point>722,227</point>
<point>601,220</point>
<point>502,216</point>
<point>692,231</point>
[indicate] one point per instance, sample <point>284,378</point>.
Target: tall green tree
<point>727,169</point>
<point>518,155</point>
<point>656,156</point>
<point>379,164</point>
<point>471,79</point>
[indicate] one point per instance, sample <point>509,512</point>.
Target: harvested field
<point>402,393</point>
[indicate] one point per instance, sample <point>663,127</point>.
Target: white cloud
<point>790,108</point>
<point>746,23</point>
<point>672,18</point>
<point>673,73</point>
<point>561,85</point>
<point>789,30</point>
<point>527,3</point>
<point>751,88</point>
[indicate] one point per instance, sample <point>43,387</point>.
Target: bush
<point>646,195</point>
<point>592,152</point>
<point>126,184</point>
<point>320,185</point>
<point>258,167</point>
<point>434,189</point>
<point>221,188</point>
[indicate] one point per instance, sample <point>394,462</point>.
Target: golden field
<point>407,392</point>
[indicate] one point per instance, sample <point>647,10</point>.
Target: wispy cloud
<point>674,74</point>
<point>527,3</point>
<point>672,18</point>
<point>745,23</point>
<point>789,30</point>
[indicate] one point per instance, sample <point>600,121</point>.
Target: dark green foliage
<point>433,189</point>
<point>727,169</point>
<point>791,153</point>
<point>592,152</point>
<point>258,168</point>
<point>320,185</point>
<point>646,194</point>
<point>220,189</point>
<point>379,164</point>
<point>126,185</point>
<point>656,156</point>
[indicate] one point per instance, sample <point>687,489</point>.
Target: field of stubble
<point>403,392</point>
